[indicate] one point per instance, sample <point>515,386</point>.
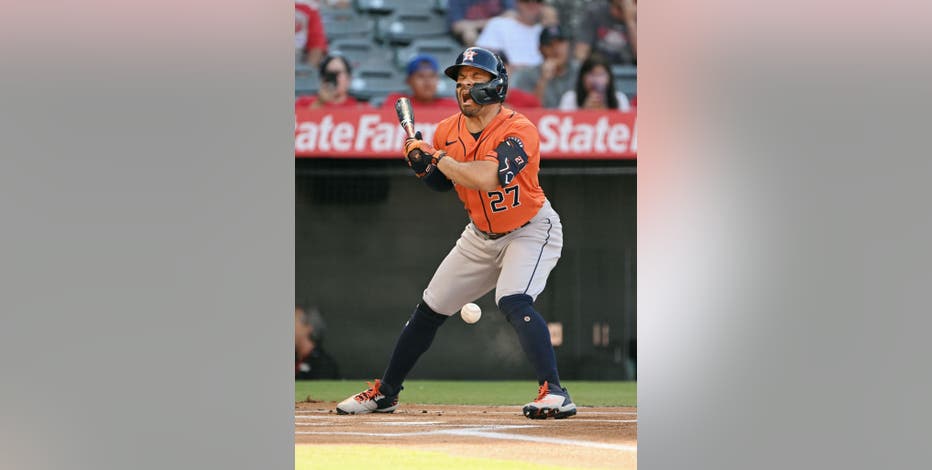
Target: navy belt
<point>496,236</point>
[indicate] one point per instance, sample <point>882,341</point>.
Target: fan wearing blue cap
<point>422,79</point>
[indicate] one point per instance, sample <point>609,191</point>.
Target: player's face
<point>465,79</point>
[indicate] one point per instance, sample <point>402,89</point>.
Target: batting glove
<point>420,155</point>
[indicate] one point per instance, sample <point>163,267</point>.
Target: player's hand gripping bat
<point>418,154</point>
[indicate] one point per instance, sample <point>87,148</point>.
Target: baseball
<point>470,313</point>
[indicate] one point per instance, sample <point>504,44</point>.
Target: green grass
<point>308,457</point>
<point>451,392</point>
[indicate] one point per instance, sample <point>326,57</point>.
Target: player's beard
<point>470,109</point>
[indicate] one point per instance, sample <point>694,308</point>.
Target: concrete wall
<point>366,246</point>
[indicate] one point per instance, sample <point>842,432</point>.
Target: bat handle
<point>409,129</point>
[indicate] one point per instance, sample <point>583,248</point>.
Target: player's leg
<point>467,273</point>
<point>416,336</point>
<point>526,264</point>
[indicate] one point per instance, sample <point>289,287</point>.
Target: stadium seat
<point>346,23</point>
<point>626,79</point>
<point>402,28</point>
<point>445,87</point>
<point>306,81</point>
<point>444,49</point>
<point>384,7</point>
<point>379,62</point>
<point>369,82</point>
<point>378,7</point>
<point>361,51</point>
<point>377,101</point>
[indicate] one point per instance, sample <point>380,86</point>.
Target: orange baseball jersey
<point>512,141</point>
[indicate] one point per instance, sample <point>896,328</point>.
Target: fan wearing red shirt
<point>335,75</point>
<point>520,99</point>
<point>517,98</point>
<point>422,79</point>
<point>310,42</point>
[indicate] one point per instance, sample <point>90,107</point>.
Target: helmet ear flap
<point>490,92</point>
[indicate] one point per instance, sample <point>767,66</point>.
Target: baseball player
<point>491,156</point>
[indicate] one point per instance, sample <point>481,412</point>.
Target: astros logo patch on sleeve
<point>511,159</point>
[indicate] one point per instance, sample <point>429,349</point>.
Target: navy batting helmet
<point>493,91</point>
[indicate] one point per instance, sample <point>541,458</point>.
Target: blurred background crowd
<point>560,54</point>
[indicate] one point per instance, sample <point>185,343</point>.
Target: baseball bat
<point>405,115</point>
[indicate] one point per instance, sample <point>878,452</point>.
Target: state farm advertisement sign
<point>374,133</point>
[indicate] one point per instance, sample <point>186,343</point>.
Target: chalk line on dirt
<point>484,431</point>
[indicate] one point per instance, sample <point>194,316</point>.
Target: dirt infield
<point>595,438</point>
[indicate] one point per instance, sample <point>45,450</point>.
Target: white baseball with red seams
<point>471,313</point>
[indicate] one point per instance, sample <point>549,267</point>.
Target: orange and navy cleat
<point>371,400</point>
<point>552,402</point>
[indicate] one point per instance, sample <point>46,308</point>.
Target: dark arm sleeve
<point>511,159</point>
<point>436,180</point>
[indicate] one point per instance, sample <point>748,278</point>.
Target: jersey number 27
<point>497,199</point>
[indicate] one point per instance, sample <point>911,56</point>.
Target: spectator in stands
<point>316,363</point>
<point>422,79</point>
<point>517,98</point>
<point>555,75</point>
<point>335,74</point>
<point>595,89</point>
<point>467,17</point>
<point>302,339</point>
<point>516,36</point>
<point>610,29</point>
<point>310,42</point>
